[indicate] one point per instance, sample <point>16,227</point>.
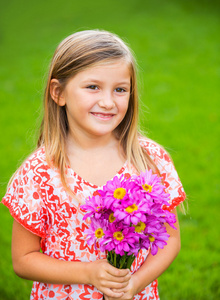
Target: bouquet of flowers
<point>128,215</point>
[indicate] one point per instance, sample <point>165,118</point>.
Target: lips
<point>103,116</point>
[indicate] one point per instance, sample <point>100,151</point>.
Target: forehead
<point>114,69</point>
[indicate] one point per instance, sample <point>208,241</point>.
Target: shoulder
<point>25,193</point>
<point>167,170</point>
<point>34,168</point>
<point>154,150</point>
<point>36,158</point>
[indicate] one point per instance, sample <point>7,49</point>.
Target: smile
<point>103,116</point>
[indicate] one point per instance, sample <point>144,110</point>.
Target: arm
<point>29,263</point>
<point>154,266</point>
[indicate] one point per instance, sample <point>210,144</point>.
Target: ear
<point>56,92</point>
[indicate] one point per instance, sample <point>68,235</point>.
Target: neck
<point>88,142</point>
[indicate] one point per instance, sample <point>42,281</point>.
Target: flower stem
<point>122,261</point>
<point>111,256</point>
<point>130,261</point>
<point>115,261</point>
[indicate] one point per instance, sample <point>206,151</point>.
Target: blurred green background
<point>177,45</point>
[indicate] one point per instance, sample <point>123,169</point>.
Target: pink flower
<point>170,218</point>
<point>116,190</point>
<point>96,231</point>
<point>163,216</point>
<point>127,215</point>
<point>95,206</point>
<point>119,239</point>
<point>132,210</point>
<point>150,185</point>
<point>154,240</point>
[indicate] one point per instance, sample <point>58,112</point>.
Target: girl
<point>88,134</point>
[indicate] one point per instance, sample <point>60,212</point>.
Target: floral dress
<point>37,200</point>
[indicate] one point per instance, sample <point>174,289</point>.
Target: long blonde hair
<point>77,52</point>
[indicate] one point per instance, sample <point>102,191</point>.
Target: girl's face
<point>97,99</point>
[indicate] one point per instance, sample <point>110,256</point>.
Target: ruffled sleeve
<point>25,200</point>
<point>171,180</point>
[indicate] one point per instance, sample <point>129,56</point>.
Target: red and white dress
<point>37,199</point>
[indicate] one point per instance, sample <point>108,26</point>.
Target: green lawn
<point>177,45</point>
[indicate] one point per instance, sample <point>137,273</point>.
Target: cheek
<point>123,106</point>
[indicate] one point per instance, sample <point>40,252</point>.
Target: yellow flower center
<point>151,238</point>
<point>99,233</point>
<point>140,227</point>
<point>147,187</point>
<point>119,193</point>
<point>131,208</point>
<point>97,208</point>
<point>111,218</point>
<point>118,235</point>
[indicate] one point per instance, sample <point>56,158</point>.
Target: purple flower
<point>162,215</point>
<point>96,231</point>
<point>119,238</point>
<point>170,218</point>
<point>154,240</point>
<point>94,207</point>
<point>116,190</point>
<point>127,215</point>
<point>132,210</point>
<point>150,185</point>
<point>152,224</point>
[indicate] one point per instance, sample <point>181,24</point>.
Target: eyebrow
<point>99,81</point>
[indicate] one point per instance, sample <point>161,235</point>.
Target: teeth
<point>102,115</point>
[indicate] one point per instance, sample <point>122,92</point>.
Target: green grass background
<point>177,45</point>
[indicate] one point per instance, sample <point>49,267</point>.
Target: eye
<point>92,87</point>
<point>120,90</point>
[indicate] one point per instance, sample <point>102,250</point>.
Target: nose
<point>107,101</point>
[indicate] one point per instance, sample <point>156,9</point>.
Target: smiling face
<point>96,99</point>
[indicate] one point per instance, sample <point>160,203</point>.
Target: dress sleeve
<point>171,180</point>
<point>25,202</point>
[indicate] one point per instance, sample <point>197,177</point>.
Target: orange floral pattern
<point>37,200</point>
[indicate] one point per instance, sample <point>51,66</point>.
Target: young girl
<point>88,135</point>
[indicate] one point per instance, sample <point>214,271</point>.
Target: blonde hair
<point>77,52</point>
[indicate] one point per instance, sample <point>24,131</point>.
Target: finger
<point>124,290</point>
<point>116,282</point>
<point>106,278</point>
<point>118,272</point>
<point>116,285</point>
<point>119,279</point>
<point>128,276</point>
<point>109,293</point>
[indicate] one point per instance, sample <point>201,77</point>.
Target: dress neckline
<point>95,186</point>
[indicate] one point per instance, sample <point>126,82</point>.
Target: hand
<point>128,292</point>
<point>108,279</point>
